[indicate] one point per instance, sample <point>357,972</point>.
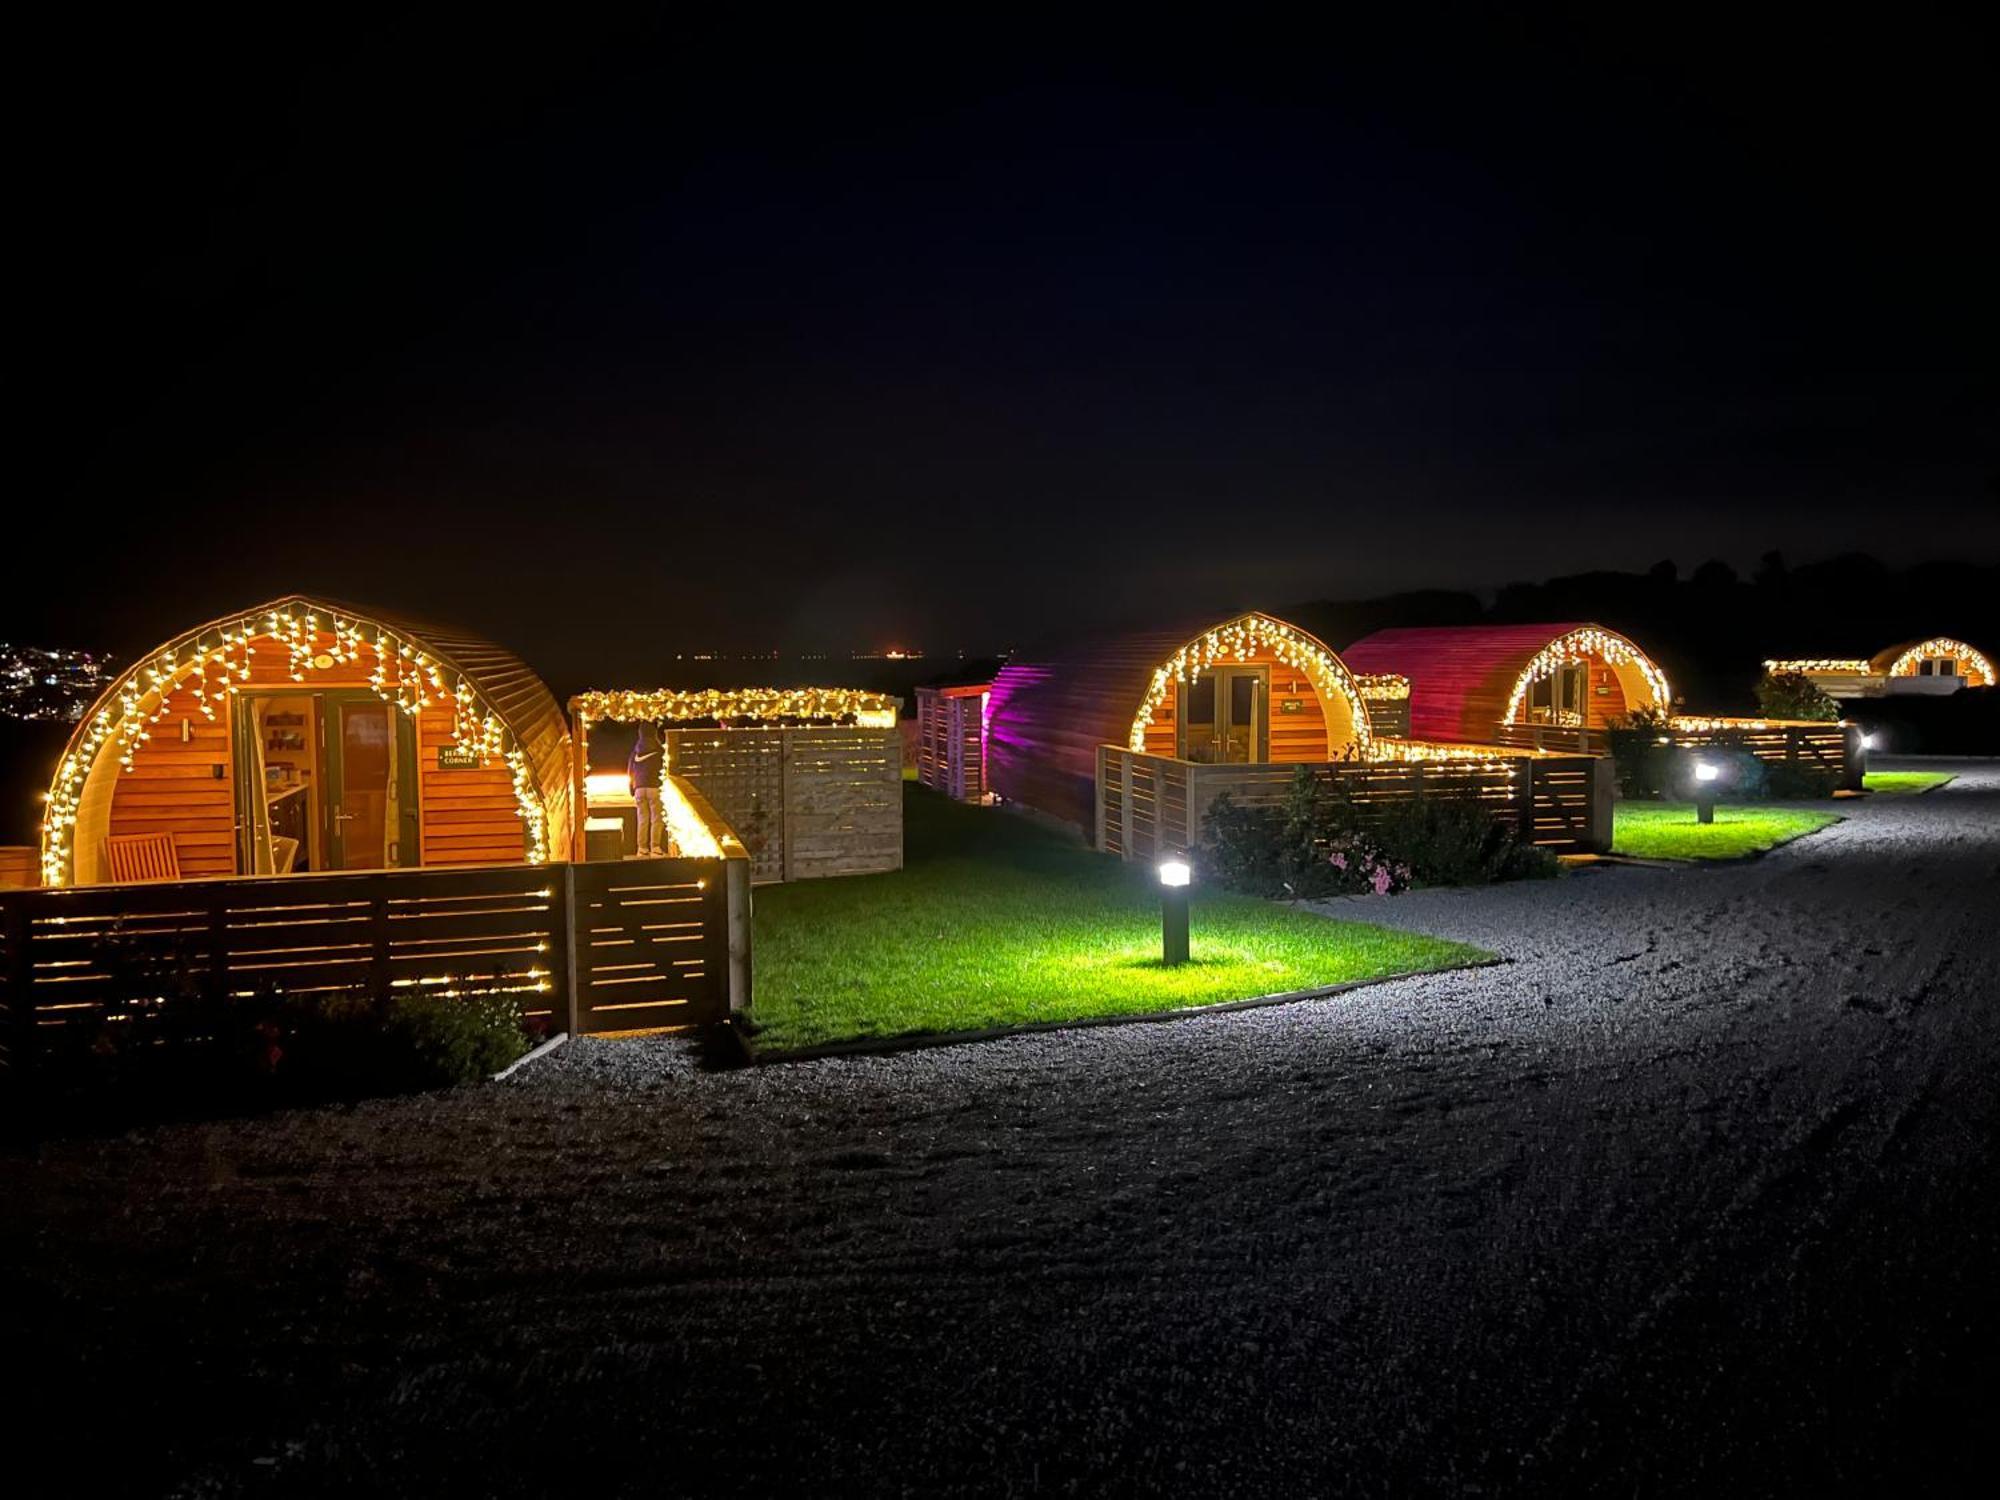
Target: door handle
<point>345,817</point>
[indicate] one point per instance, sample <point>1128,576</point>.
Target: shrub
<point>1644,766</point>
<point>1791,781</point>
<point>170,1045</point>
<point>1454,841</point>
<point>1308,847</point>
<point>1789,695</point>
<point>1316,844</point>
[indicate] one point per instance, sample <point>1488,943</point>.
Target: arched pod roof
<point>1464,679</point>
<point>500,701</point>
<point>1050,709</point>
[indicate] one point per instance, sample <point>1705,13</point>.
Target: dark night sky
<point>654,338</point>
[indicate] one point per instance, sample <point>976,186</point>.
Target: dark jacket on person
<point>644,765</point>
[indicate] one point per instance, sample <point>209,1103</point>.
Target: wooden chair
<point>142,856</point>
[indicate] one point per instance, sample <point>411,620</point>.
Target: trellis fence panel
<point>806,802</point>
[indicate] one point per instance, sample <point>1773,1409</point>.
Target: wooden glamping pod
<point>1131,738</point>
<point>1502,683</point>
<point>1933,667</point>
<point>1563,687</point>
<point>810,779</point>
<point>304,735</point>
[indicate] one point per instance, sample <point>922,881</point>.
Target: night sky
<point>652,338</point>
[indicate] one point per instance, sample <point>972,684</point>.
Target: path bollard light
<point>1174,878</point>
<point>1706,774</point>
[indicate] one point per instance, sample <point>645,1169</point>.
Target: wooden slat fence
<point>638,943</point>
<point>1832,747</point>
<point>1149,805</point>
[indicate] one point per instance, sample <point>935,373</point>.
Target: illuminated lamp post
<point>1174,878</point>
<point>1706,773</point>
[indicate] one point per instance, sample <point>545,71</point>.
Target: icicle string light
<point>1577,648</point>
<point>401,674</point>
<point>1244,639</point>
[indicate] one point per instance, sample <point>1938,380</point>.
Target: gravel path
<point>1694,1194</point>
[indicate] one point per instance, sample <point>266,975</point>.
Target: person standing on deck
<point>644,769</point>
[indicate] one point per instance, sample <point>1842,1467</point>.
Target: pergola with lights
<point>808,778</point>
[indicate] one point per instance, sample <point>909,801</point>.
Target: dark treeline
<point>1712,628</point>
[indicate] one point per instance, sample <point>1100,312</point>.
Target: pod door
<point>371,820</point>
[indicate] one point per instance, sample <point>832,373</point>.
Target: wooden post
<point>568,965</point>
<point>579,802</point>
<point>378,937</point>
<point>21,1080</point>
<point>1603,807</point>
<point>1125,804</point>
<point>1103,770</point>
<point>736,874</point>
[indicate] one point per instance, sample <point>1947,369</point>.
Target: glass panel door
<point>358,749</point>
<point>1222,716</point>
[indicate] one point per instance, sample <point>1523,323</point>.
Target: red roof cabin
<point>1476,683</point>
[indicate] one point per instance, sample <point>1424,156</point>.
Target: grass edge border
<point>757,1056</point>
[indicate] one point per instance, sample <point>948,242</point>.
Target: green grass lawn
<point>1904,782</point>
<point>1667,830</point>
<point>994,921</point>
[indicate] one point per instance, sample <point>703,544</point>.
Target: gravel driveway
<point>1694,1194</point>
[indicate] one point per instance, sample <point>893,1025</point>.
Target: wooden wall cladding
<point>1298,736</point>
<point>182,781</point>
<point>806,802</point>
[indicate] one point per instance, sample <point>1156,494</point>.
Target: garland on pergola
<point>1577,647</point>
<point>1242,639</point>
<point>761,705</point>
<point>1811,665</point>
<point>1382,687</point>
<point>217,659</point>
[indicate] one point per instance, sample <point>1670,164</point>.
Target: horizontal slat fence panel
<point>611,946</point>
<point>1830,747</point>
<point>1150,805</point>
